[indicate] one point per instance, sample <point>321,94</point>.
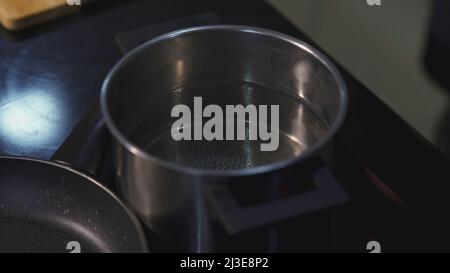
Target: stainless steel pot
<point>181,189</point>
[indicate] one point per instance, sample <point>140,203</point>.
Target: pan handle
<point>235,218</point>
<point>86,146</point>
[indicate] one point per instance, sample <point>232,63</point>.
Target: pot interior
<point>223,67</point>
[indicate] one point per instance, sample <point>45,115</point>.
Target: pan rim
<point>140,153</point>
<point>129,212</point>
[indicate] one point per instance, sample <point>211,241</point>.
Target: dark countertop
<point>50,74</point>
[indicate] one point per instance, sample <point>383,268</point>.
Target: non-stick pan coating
<point>44,206</point>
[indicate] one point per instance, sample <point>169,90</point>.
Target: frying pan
<point>51,206</point>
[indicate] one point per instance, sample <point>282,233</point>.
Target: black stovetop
<point>398,183</point>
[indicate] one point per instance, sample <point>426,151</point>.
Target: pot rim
<point>140,153</point>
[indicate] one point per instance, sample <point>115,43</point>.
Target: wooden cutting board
<point>20,14</point>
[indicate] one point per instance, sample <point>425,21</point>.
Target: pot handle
<point>235,218</point>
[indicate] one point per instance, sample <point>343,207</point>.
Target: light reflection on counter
<point>32,119</point>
